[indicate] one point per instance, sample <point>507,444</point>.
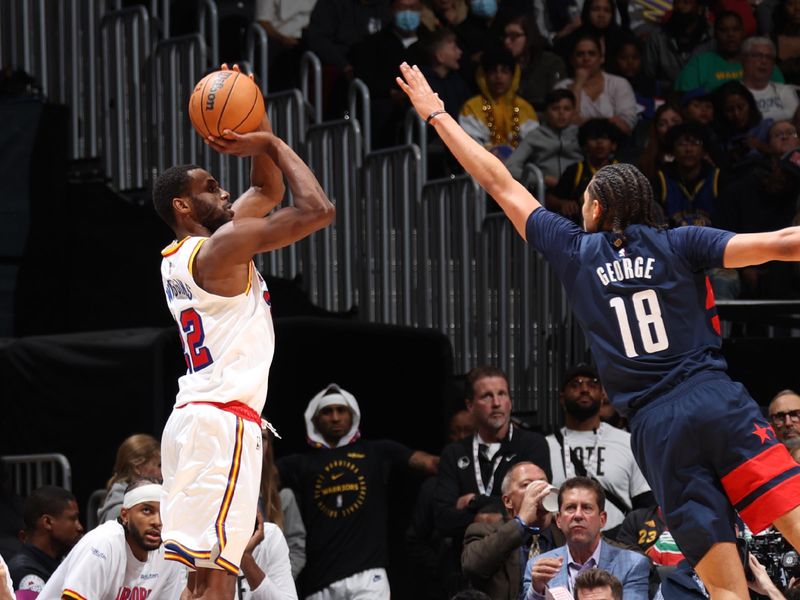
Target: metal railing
<point>257,53</point>
<point>311,83</point>
<point>31,471</point>
<point>452,211</point>
<point>358,95</point>
<point>415,131</point>
<point>125,49</point>
<point>392,188</point>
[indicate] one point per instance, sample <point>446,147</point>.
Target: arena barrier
<point>311,83</point>
<point>31,471</point>
<point>359,92</point>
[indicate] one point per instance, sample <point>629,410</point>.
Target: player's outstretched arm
<point>488,171</point>
<point>238,241</point>
<point>746,249</point>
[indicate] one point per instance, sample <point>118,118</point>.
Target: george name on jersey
<point>175,288</point>
<point>626,268</point>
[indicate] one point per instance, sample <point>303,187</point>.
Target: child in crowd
<point>598,139</point>
<point>553,146</point>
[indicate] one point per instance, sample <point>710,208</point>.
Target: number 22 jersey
<point>647,308</point>
<point>228,342</point>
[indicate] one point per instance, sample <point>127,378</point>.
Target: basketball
<point>225,100</point>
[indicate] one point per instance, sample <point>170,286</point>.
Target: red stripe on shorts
<point>752,474</point>
<point>240,409</point>
<point>772,504</point>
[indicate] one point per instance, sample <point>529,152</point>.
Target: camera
<point>778,557</point>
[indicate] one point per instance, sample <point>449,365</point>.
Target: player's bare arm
<point>222,262</point>
<point>488,171</point>
<point>747,249</point>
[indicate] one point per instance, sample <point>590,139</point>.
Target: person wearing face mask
<point>375,62</point>
<point>472,33</point>
<point>585,446</point>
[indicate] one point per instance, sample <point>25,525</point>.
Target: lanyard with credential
<point>487,490</point>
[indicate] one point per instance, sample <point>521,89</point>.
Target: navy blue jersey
<point>647,308</point>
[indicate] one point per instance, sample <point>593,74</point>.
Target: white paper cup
<point>550,502</point>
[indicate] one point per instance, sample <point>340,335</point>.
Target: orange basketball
<point>225,100</point>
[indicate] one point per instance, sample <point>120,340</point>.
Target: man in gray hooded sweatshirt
<point>341,488</point>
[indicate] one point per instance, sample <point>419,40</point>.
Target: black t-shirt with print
<point>342,494</point>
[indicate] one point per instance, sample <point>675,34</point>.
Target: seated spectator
<point>138,456</point>
<point>684,35</point>
<point>698,106</point>
<point>764,199</point>
<point>581,516</point>
<point>645,528</point>
<point>786,35</point>
<point>442,71</point>
<point>333,29</point>
<point>627,62</point>
<point>709,70</point>
<point>498,118</point>
<point>553,146</point>
<point>279,506</point>
<point>556,19</point>
<point>739,125</point>
<point>784,414</point>
<point>491,555</point>
<point>597,19</point>
<point>687,188</point>
<point>122,558</point>
<point>597,584</point>
<point>52,528</point>
<point>585,446</point>
<point>655,155</point>
<point>540,69</point>
<point>285,22</point>
<point>599,94</point>
<point>598,140</point>
<point>444,14</point>
<point>265,571</point>
<point>375,61</point>
<point>428,551</point>
<point>775,100</point>
<point>472,469</point>
<point>341,485</point>
<point>474,32</point>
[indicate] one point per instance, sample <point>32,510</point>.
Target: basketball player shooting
<point>642,298</point>
<point>211,446</point>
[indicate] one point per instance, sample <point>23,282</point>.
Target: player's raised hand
<point>419,91</point>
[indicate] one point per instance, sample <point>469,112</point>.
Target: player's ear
<point>597,210</point>
<point>181,205</point>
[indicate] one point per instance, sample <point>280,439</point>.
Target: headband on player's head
<point>145,493</point>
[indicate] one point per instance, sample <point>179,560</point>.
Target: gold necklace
<point>494,135</point>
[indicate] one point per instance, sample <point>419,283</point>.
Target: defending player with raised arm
<point>211,445</point>
<point>646,307</point>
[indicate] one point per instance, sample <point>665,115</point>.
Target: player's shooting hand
<point>543,571</point>
<point>242,144</point>
<point>418,90</point>
<point>235,67</point>
<point>258,535</point>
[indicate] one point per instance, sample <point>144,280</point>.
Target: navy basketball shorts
<point>706,449</point>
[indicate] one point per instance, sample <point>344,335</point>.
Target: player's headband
<point>145,493</point>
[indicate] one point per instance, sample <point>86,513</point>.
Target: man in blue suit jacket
<point>581,516</point>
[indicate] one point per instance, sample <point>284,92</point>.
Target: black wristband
<point>433,114</point>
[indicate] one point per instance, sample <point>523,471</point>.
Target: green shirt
<point>709,70</point>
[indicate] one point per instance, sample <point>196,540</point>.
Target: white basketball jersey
<point>228,343</point>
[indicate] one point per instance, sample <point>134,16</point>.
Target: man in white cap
<point>122,558</point>
<point>342,492</point>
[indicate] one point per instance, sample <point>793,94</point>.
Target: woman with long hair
<point>599,94</point>
<point>279,506</point>
<point>655,155</point>
<point>540,69</point>
<point>598,18</point>
<point>742,131</point>
<point>138,456</point>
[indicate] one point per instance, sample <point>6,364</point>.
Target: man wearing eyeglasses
<point>775,100</point>
<point>585,446</point>
<point>784,414</point>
